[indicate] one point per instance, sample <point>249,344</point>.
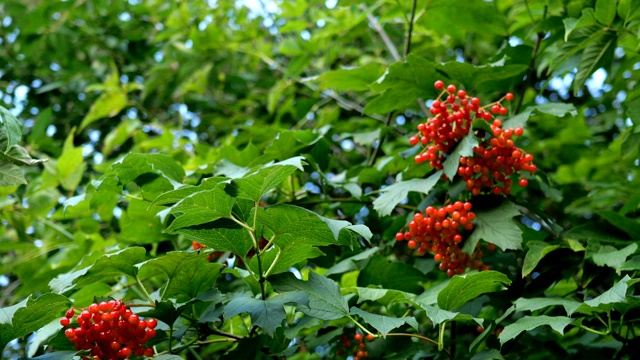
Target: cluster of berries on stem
<point>354,346</point>
<point>494,161</point>
<point>438,230</point>
<point>109,331</point>
<point>489,170</point>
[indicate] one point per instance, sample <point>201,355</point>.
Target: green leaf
<point>464,288</point>
<point>58,355</point>
<point>438,316</point>
<point>139,224</point>
<point>491,354</point>
<point>496,226</point>
<point>267,314</point>
<point>464,148</point>
<point>104,268</point>
<point>109,103</point>
<point>284,257</point>
<point>608,255</point>
<point>189,274</point>
<point>221,235</point>
<point>350,263</point>
<point>631,264</point>
<point>9,130</point>
<point>10,174</point>
<point>325,300</point>
<point>537,251</point>
<point>391,275</point>
<point>617,294</point>
<point>557,323</point>
<point>174,196</point>
<point>484,78</point>
<point>533,304</point>
<point>125,130</point>
<point>605,11</point>
<point>167,357</point>
<point>70,165</point>
<point>384,324</point>
<point>354,79</point>
<point>20,154</point>
<point>597,54</point>
<point>402,84</point>
<point>30,315</point>
<point>586,19</point>
<point>555,109</point>
<point>133,165</point>
<point>392,195</point>
<point>200,208</point>
<point>255,184</point>
<point>477,16</point>
<point>629,226</point>
<point>383,296</point>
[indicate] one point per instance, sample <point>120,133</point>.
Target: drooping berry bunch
<point>110,331</point>
<point>451,121</point>
<point>356,348</point>
<point>438,230</point>
<point>494,161</point>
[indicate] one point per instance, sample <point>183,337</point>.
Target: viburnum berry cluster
<point>451,121</point>
<point>438,230</point>
<point>495,159</point>
<point>355,346</point>
<point>110,331</point>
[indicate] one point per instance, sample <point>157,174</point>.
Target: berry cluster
<point>357,348</point>
<point>494,161</point>
<point>438,231</point>
<point>451,121</point>
<point>110,331</point>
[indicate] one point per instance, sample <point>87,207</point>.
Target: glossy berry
<point>451,89</point>
<point>509,97</point>
<point>523,182</point>
<point>110,330</point>
<point>439,85</point>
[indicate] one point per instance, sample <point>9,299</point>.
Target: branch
<point>532,63</point>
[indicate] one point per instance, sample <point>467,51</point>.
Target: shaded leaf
<point>325,300</point>
<point>557,323</point>
<point>391,275</point>
<point>354,79</point>
<point>254,185</point>
<point>384,324</point>
<point>10,174</point>
<point>537,251</point>
<point>534,304</point>
<point>267,314</point>
<point>438,316</point>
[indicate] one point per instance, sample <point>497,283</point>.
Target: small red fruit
<point>439,85</point>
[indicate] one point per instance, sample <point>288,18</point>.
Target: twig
<point>407,45</point>
<point>532,63</point>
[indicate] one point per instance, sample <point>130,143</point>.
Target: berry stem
<point>443,326</point>
<point>360,326</point>
<point>146,293</point>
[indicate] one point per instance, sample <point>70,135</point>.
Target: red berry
<point>451,89</point>
<point>518,131</point>
<point>357,337</point>
<point>523,182</point>
<point>509,97</point>
<point>370,337</point>
<point>462,94</point>
<point>148,352</point>
<point>65,321</point>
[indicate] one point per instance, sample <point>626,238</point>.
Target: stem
<point>273,264</point>
<point>256,243</point>
<point>532,63</point>
<point>144,290</point>
<point>407,46</point>
<point>361,326</point>
<point>593,330</point>
<point>376,151</point>
<point>443,326</point>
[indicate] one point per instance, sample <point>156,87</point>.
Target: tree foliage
<point>239,170</point>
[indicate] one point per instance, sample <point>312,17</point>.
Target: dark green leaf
<point>438,316</point>
<point>30,315</point>
<point>254,185</point>
<point>356,79</point>
<point>533,304</point>
<point>10,174</point>
<point>9,129</point>
<point>496,226</point>
<point>106,268</point>
<point>537,251</point>
<point>605,11</point>
<point>462,289</point>
<point>267,314</point>
<point>557,323</point>
<point>598,53</point>
<point>200,208</point>
<point>325,300</point>
<point>629,226</point>
<point>189,274</point>
<point>391,275</point>
<point>384,324</point>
